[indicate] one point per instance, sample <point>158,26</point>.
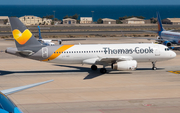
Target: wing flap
<point>109,59</point>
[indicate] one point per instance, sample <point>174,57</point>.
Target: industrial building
<point>69,21</point>
<point>135,20</point>
<point>174,21</point>
<point>108,21</point>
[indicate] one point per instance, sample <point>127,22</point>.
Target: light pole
<point>54,15</point>
<point>92,16</point>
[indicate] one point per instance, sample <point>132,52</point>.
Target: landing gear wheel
<point>154,67</point>
<point>103,70</point>
<point>94,67</point>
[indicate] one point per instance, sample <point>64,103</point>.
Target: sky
<point>90,2</point>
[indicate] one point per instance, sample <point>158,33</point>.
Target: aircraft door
<point>45,52</point>
<point>157,52</point>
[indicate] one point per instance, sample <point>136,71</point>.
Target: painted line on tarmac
<point>175,72</point>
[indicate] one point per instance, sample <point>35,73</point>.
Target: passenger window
<point>69,51</point>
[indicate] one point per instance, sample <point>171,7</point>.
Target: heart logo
<point>22,38</point>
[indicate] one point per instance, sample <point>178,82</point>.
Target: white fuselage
<point>173,37</point>
<point>139,52</point>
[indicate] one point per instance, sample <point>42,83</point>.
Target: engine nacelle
<point>125,65</point>
<point>158,37</point>
<point>167,43</point>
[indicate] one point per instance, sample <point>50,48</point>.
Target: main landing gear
<point>94,67</point>
<point>102,70</point>
<point>154,66</point>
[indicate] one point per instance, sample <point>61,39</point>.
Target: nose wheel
<point>154,66</point>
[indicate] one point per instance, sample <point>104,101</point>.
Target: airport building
<point>47,21</point>
<point>34,20</point>
<point>69,21</point>
<point>135,20</point>
<point>85,20</point>
<point>3,19</point>
<point>174,21</point>
<point>31,20</point>
<point>108,21</point>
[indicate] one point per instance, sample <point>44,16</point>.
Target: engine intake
<point>125,65</point>
<point>167,43</point>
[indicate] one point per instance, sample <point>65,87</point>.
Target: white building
<point>134,20</point>
<point>85,20</point>
<point>47,21</point>
<point>31,20</point>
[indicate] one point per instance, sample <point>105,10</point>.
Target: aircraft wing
<point>17,89</point>
<point>109,59</point>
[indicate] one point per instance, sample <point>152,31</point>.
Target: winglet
<point>17,89</point>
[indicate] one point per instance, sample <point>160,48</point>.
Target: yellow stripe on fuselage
<point>56,54</point>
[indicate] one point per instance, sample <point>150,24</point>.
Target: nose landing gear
<point>154,66</point>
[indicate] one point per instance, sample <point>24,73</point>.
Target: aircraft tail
<point>160,27</point>
<point>39,33</point>
<point>24,39</point>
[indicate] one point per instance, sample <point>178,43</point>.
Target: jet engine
<point>159,40</point>
<point>59,42</point>
<point>125,65</point>
<point>167,43</point>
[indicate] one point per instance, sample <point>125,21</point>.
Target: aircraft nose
<point>173,54</point>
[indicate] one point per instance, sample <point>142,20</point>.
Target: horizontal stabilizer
<point>25,52</point>
<point>17,89</point>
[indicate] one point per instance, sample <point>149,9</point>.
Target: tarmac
<point>78,89</point>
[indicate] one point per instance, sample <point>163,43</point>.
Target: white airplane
<point>48,42</point>
<point>118,56</point>
<point>166,37</point>
<point>6,105</point>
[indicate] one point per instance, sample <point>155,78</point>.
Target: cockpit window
<point>6,103</point>
<point>167,49</point>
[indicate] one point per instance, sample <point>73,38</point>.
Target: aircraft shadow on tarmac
<point>91,74</point>
<point>149,69</point>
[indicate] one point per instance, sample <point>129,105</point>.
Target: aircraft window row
<point>79,52</point>
<point>167,49</point>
